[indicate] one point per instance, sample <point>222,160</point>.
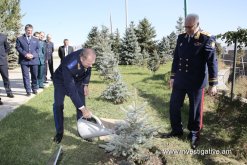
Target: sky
<point>74,19</point>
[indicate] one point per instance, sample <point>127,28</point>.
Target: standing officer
<point>71,78</point>
<point>41,66</point>
<point>65,49</point>
<point>49,57</point>
<point>4,50</point>
<point>28,48</point>
<point>193,64</point>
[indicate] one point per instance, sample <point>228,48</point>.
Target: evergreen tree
<point>11,26</point>
<point>116,90</point>
<point>164,50</point>
<point>130,49</point>
<point>133,137</point>
<point>146,35</point>
<point>92,38</point>
<point>180,26</point>
<point>154,62</point>
<point>105,61</point>
<point>116,45</point>
<point>172,39</point>
<point>107,66</point>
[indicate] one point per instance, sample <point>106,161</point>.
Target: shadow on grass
<point>214,123</point>
<point>27,138</point>
<point>159,99</point>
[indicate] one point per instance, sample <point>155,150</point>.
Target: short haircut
<point>35,33</point>
<point>48,36</point>
<point>195,17</point>
<point>86,52</point>
<point>28,26</point>
<point>65,40</point>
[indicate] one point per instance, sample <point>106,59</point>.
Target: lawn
<point>26,134</point>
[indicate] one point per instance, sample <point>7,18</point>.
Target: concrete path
<point>16,82</point>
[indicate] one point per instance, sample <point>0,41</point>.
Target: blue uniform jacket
<point>72,74</point>
<point>42,52</point>
<point>24,47</point>
<point>49,50</point>
<point>195,62</point>
<point>4,49</point>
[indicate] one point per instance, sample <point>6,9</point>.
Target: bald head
<point>88,57</point>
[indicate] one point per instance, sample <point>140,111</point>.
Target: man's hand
<point>29,56</point>
<point>212,90</point>
<point>86,112</point>
<point>171,81</point>
<point>86,91</point>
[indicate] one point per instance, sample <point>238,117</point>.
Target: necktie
<point>189,38</point>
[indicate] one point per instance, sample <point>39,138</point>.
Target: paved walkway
<point>16,82</point>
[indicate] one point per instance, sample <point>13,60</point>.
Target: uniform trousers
<point>196,99</point>
<point>41,69</point>
<point>26,77</point>
<point>58,106</point>
<point>5,76</point>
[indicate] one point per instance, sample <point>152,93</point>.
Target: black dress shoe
<point>171,134</point>
<point>28,94</point>
<point>1,103</point>
<point>10,95</point>
<point>35,92</point>
<point>58,138</point>
<point>195,136</point>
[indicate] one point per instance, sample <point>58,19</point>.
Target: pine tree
<point>154,62</point>
<point>116,91</point>
<point>92,38</point>
<point>172,39</point>
<point>130,49</point>
<point>11,26</point>
<point>164,50</point>
<point>145,36</point>
<point>106,63</point>
<point>107,66</point>
<point>116,45</point>
<point>180,26</point>
<point>133,137</point>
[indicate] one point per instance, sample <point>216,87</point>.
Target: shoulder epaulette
<point>206,33</point>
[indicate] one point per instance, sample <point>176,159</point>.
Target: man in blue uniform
<point>28,49</point>
<point>71,78</point>
<point>48,57</point>
<point>194,64</point>
<point>4,50</point>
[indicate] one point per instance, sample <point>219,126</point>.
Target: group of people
<point>194,67</point>
<point>35,56</point>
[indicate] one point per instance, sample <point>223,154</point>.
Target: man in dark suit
<point>4,49</point>
<point>28,48</point>
<point>194,65</point>
<point>65,49</point>
<point>72,78</point>
<point>49,56</point>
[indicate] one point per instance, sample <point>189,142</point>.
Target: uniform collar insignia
<point>197,35</point>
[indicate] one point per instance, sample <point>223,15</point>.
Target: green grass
<point>26,134</point>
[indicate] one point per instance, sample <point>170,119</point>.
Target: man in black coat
<point>65,49</point>
<point>4,49</point>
